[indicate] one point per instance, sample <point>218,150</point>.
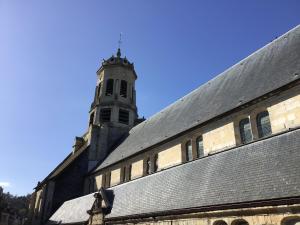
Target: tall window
<point>132,93</point>
<point>123,116</point>
<point>123,89</point>
<point>99,90</point>
<point>109,87</point>
<point>105,115</point>
<point>199,145</point>
<point>245,130</point>
<point>189,151</point>
<point>263,124</point>
<point>91,118</point>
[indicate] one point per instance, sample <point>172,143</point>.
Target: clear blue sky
<point>50,51</point>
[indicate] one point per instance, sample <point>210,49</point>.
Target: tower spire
<point>119,46</point>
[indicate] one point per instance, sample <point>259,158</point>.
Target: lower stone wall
<point>282,215</point>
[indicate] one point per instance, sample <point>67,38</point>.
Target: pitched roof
<point>267,169</point>
<point>263,170</point>
<point>73,211</point>
<point>266,70</point>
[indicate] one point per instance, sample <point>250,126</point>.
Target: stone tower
<point>113,112</point>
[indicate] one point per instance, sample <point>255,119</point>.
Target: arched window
<point>263,124</point>
<point>291,220</point>
<point>109,87</point>
<point>239,222</point>
<point>199,145</point>
<point>220,222</point>
<point>245,130</point>
<point>123,89</point>
<point>189,151</point>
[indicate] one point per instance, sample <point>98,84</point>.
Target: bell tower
<point>114,102</point>
<point>113,111</point>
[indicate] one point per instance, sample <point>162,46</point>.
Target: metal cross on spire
<point>119,42</point>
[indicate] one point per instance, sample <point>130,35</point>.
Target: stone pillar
<point>96,213</point>
<point>254,125</point>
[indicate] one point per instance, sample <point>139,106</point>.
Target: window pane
<point>245,130</point>
<point>189,152</point>
<point>99,90</point>
<point>105,115</point>
<point>123,89</point>
<point>199,144</point>
<point>109,87</point>
<point>263,124</point>
<point>123,116</point>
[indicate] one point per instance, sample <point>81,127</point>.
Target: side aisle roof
<point>261,171</point>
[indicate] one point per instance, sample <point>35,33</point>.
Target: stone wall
<point>169,157</point>
<point>285,114</point>
<point>273,215</point>
<point>115,177</point>
<point>137,169</point>
<point>220,138</point>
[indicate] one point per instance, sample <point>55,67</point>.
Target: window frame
<point>121,117</point>
<point>197,146</point>
<point>189,151</point>
<point>109,87</point>
<point>261,126</point>
<point>124,88</point>
<point>102,113</point>
<point>243,131</point>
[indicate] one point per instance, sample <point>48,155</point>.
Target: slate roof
<point>73,211</point>
<point>263,170</point>
<point>266,70</point>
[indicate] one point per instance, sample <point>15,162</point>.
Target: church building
<point>228,153</point>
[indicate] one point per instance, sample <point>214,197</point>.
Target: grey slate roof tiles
<point>263,170</point>
<point>266,70</point>
<point>73,211</point>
